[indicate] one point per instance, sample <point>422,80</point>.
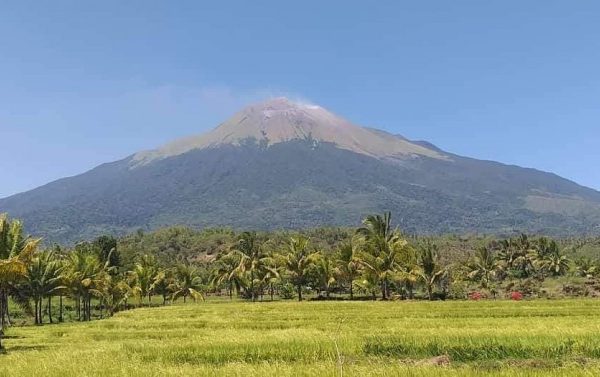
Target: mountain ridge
<point>250,179</point>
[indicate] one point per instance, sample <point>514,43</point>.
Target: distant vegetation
<point>376,261</point>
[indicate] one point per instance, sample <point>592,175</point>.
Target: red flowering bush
<point>475,296</point>
<point>516,296</point>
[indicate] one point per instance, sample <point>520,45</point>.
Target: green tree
<point>16,252</point>
<point>382,250</point>
<point>253,260</point>
<point>106,248</point>
<point>348,265</point>
<point>326,272</point>
<point>298,262</point>
<point>225,272</point>
<point>43,279</point>
<point>483,266</point>
<point>430,269</point>
<point>86,277</point>
<point>145,276</point>
<point>188,282</point>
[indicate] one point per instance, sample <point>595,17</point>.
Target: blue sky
<point>82,83</point>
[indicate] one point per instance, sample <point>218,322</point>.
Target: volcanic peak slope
<point>281,120</point>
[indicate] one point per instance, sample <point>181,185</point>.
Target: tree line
<point>373,261</point>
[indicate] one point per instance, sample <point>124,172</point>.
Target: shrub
<point>287,291</point>
<point>475,296</point>
<point>516,296</point>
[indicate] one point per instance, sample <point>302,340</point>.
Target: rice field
<point>218,338</point>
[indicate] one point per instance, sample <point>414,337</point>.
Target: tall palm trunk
<point>78,307</point>
<point>351,291</point>
<point>252,286</point>
<point>4,315</point>
<point>384,289</point>
<point>50,308</point>
<point>60,310</point>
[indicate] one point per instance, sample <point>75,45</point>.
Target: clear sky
<point>82,82</point>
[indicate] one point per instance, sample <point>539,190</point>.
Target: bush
<point>475,296</point>
<point>516,296</point>
<point>287,291</point>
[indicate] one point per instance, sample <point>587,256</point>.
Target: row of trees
<point>378,260</point>
<point>375,260</point>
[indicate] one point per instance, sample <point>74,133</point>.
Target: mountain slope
<point>281,164</point>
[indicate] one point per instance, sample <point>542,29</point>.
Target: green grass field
<point>536,338</point>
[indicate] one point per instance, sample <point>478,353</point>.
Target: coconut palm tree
<point>348,265</point>
<point>188,283</point>
<point>298,261</point>
<point>225,272</point>
<point>145,275</point>
<point>43,279</point>
<point>86,277</point>
<point>482,268</point>
<point>164,284</point>
<point>253,260</point>
<point>326,272</point>
<point>116,294</point>
<point>16,252</point>
<point>555,263</point>
<point>430,270</point>
<point>586,267</point>
<point>517,256</point>
<point>382,250</point>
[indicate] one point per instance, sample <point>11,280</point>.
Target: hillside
<point>280,164</point>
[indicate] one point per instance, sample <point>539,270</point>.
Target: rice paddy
<point>219,338</point>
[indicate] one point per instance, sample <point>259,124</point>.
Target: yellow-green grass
<point>504,338</point>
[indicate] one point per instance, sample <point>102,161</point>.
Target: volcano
<point>286,164</point>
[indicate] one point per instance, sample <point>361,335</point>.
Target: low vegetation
<point>351,338</point>
<point>176,266</point>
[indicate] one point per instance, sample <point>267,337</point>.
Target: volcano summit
<point>284,164</point>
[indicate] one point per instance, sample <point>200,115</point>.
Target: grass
<point>218,338</point>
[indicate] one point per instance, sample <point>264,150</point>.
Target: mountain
<point>283,164</point>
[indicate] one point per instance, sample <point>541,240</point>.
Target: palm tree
<point>298,262</point>
<point>87,277</point>
<point>555,263</point>
<point>430,270</point>
<point>43,279</point>
<point>188,283</point>
<point>225,272</point>
<point>16,252</point>
<point>145,275</point>
<point>483,266</point>
<point>326,272</point>
<point>253,260</point>
<point>586,267</point>
<point>348,265</point>
<point>116,294</point>
<point>382,250</point>
<point>164,284</point>
<point>517,256</point>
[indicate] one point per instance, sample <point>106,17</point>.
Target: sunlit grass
<point>537,338</point>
